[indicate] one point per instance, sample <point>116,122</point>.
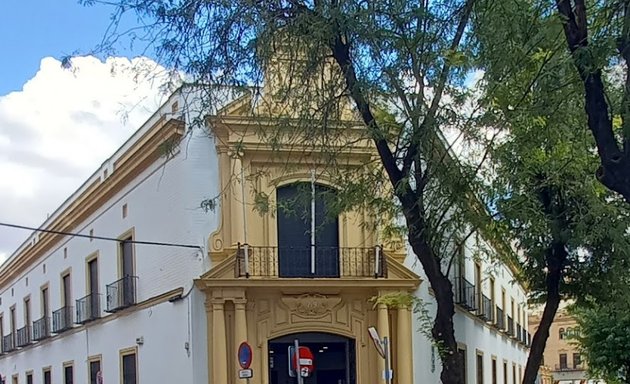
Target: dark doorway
<point>295,227</point>
<point>334,358</point>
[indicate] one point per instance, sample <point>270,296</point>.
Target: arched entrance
<point>334,358</point>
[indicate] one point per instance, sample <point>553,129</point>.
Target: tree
<point>567,226</point>
<point>604,340</point>
<point>401,64</point>
<point>598,37</point>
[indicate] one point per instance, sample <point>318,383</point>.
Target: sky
<point>57,126</point>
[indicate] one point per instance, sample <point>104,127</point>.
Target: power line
<point>72,234</point>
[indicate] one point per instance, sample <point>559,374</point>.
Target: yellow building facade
<point>252,293</point>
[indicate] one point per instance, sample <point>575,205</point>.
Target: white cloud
<point>61,126</point>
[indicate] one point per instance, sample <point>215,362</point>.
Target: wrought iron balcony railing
<point>510,326</point>
<point>23,336</point>
<point>41,328</point>
<point>62,319</point>
<point>500,320</point>
<point>465,294</point>
<point>295,262</point>
<point>88,308</point>
<point>121,293</point>
<point>486,311</point>
<point>8,343</point>
<point>566,368</point>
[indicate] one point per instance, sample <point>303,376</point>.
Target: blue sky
<point>34,29</point>
<point>58,126</point>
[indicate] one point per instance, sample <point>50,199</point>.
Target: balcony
<point>88,308</point>
<point>566,368</point>
<point>465,294</point>
<point>8,343</point>
<point>121,294</point>
<point>41,328</point>
<point>296,262</point>
<point>486,311</point>
<point>510,326</point>
<point>62,319</point>
<point>500,320</point>
<point>23,336</point>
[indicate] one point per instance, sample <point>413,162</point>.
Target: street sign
<point>377,341</point>
<point>245,374</point>
<point>244,355</point>
<point>305,360</point>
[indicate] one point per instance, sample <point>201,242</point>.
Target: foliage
<point>569,227</point>
<point>604,339</point>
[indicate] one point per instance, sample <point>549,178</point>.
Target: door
<point>127,270</point>
<point>333,358</point>
<point>94,298</point>
<point>295,226</point>
<point>67,302</point>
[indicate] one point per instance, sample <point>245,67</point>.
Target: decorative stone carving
<point>311,304</point>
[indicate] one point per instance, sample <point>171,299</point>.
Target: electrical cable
<point>71,234</point>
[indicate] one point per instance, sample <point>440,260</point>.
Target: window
<point>492,288</point>
<point>95,369</point>
<point>12,319</point>
<point>1,332</point>
<point>14,379</point>
<point>577,360</point>
<point>93,304</point>
<point>478,284</point>
<point>561,333</point>
<point>462,354</point>
<point>563,361</point>
<point>479,367</point>
<point>66,290</point>
<point>29,378</point>
<point>514,374</point>
<point>129,367</point>
<point>495,379</point>
<point>27,311</point>
<point>68,373</point>
<point>505,372</point>
<point>126,257</point>
<point>47,376</point>
<point>45,308</point>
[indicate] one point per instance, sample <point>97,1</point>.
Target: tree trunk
<point>443,330</point>
<point>555,262</point>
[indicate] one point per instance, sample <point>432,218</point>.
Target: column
<point>209,336</point>
<point>236,218</point>
<point>383,331</point>
<point>240,326</point>
<point>404,368</point>
<point>219,345</point>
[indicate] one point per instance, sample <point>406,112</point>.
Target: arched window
<point>562,334</point>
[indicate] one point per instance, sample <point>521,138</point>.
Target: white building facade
<point>157,288</point>
<point>74,308</point>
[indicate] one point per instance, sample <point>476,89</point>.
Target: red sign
<point>306,361</point>
<point>244,355</point>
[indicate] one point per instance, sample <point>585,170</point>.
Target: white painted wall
<point>163,205</point>
<point>470,331</point>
